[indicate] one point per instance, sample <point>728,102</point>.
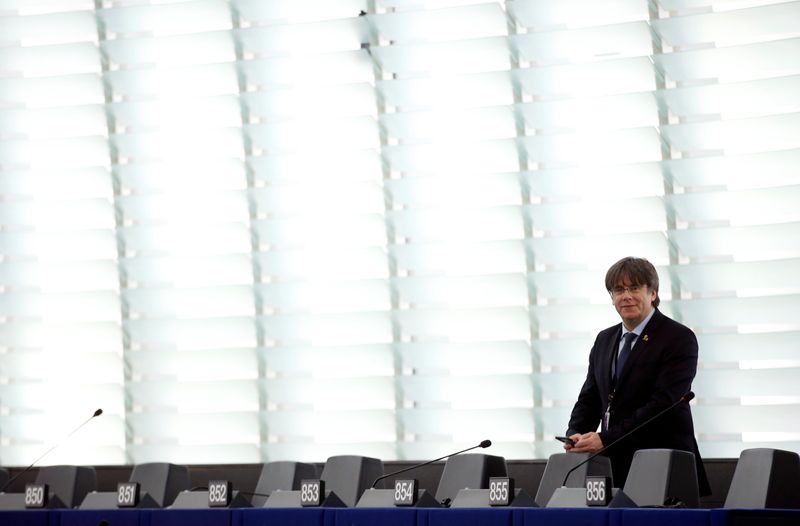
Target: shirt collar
<point>639,328</point>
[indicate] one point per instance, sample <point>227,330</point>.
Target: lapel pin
<point>645,337</point>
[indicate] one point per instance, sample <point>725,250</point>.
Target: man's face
<point>633,302</point>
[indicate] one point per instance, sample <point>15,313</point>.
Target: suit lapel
<point>610,360</point>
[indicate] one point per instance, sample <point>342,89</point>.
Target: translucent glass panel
<point>59,281</point>
<point>456,233</point>
<point>322,287</point>
<point>183,208</point>
<point>729,76</point>
<point>276,230</point>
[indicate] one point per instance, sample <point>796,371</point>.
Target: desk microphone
<point>688,397</point>
<point>484,444</point>
<point>15,477</point>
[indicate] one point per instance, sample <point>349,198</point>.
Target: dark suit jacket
<point>658,372</point>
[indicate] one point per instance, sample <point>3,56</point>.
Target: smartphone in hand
<point>566,440</point>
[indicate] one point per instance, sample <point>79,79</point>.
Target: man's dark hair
<point>638,271</point>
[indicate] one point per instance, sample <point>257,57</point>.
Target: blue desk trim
<point>400,517</point>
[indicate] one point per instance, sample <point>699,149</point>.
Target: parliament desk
<point>403,517</point>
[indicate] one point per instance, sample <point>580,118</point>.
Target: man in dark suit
<point>636,369</point>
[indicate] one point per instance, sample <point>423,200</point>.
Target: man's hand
<point>585,443</point>
<point>573,439</point>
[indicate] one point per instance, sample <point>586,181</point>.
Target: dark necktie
<point>625,352</point>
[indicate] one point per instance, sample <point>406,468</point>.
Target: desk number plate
<point>127,494</point>
<point>312,492</point>
<point>219,493</point>
<point>35,495</point>
<point>598,491</point>
<point>405,492</point>
<point>501,491</point>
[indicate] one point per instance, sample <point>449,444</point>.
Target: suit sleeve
<point>672,379</point>
<point>587,412</point>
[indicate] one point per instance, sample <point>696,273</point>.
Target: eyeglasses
<point>619,291</point>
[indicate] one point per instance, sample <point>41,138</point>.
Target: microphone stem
<point>60,442</point>
<point>422,465</point>
<point>15,477</point>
